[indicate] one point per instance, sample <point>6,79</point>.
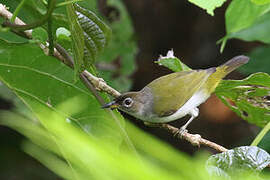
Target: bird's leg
<point>194,113</point>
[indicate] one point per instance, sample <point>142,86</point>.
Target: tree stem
<point>260,136</point>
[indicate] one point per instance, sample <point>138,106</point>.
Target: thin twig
<point>41,21</point>
<point>67,59</point>
<point>8,15</point>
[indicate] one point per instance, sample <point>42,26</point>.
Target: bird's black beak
<point>112,105</point>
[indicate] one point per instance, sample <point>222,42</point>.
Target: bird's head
<point>133,103</point>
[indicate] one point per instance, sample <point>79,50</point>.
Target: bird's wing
<point>173,90</point>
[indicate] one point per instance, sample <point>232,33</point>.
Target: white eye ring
<point>127,102</point>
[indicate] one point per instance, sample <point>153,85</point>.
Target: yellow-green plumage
<point>167,90</point>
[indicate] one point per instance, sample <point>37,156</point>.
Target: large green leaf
<point>239,160</point>
<point>96,33</point>
<point>247,21</point>
<point>259,30</point>
<point>209,5</point>
<point>249,98</point>
<point>241,14</point>
<point>77,40</point>
<point>35,77</point>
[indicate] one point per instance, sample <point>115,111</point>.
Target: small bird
<point>175,95</point>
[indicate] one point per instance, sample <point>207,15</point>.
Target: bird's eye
<point>127,102</point>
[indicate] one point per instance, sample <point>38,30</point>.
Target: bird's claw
<point>180,133</point>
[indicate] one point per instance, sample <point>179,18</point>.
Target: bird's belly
<point>197,99</point>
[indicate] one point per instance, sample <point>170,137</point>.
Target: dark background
<point>161,25</point>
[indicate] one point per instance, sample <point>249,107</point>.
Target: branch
<point>100,84</point>
<point>194,139</point>
<point>8,15</point>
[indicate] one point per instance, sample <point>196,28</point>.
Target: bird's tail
<point>233,64</point>
<point>223,70</point>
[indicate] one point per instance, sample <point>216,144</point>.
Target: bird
<point>175,95</point>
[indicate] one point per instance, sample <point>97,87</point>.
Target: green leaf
<point>239,160</point>
<point>258,31</point>
<point>249,97</point>
<point>172,62</point>
<point>241,14</point>
<point>94,27</point>
<point>260,2</point>
<point>259,61</point>
<point>77,37</point>
<point>49,83</point>
<point>96,33</point>
<point>243,19</point>
<point>40,35</point>
<point>209,5</point>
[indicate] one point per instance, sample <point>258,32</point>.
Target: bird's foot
<point>180,133</point>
